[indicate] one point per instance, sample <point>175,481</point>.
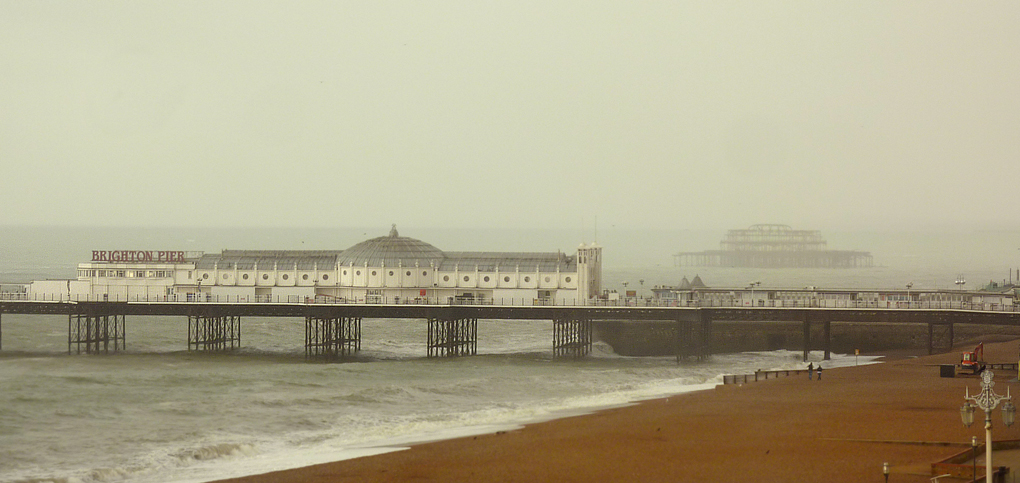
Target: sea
<point>159,413</point>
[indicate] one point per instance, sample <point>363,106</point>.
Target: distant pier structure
<point>774,246</point>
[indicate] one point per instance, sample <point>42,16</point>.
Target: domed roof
<point>391,251</point>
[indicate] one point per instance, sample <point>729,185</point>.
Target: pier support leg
<point>828,339</point>
<point>96,333</point>
<point>214,332</point>
<point>571,337</point>
<point>704,336</point>
<point>940,332</point>
<point>452,337</point>
<point>331,338</point>
<point>931,338</point>
<point>684,339</point>
<point>807,337</point>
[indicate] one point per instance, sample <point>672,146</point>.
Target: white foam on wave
<point>399,433</point>
<point>413,432</point>
<point>396,434</point>
<point>386,406</point>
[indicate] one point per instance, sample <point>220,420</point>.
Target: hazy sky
<point>821,115</point>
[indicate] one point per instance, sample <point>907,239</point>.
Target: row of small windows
<point>374,273</point>
<point>527,279</point>
<point>265,276</point>
<point>126,273</point>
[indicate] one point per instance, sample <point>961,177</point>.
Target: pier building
<point>390,269</point>
<point>774,246</point>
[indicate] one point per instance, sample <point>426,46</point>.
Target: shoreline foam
<point>778,430</point>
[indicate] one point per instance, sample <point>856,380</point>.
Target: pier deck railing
<point>515,302</point>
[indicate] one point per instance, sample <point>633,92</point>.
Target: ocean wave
<point>96,475</point>
<point>217,451</point>
<point>110,474</point>
<point>380,394</point>
<point>68,479</point>
<point>82,380</point>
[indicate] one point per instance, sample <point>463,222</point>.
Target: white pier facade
<point>390,269</point>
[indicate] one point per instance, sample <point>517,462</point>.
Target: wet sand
<point>839,429</point>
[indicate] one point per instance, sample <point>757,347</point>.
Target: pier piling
<point>213,332</point>
<point>331,338</point>
<point>704,347</point>
<point>940,331</point>
<point>693,337</point>
<point>452,337</point>
<point>572,337</point>
<point>94,332</point>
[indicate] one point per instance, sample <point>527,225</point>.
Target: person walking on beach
<point>810,369</point>
<point>819,371</point>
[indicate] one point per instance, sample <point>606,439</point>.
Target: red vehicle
<point>974,361</point>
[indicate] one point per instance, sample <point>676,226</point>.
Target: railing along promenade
<point>333,327</point>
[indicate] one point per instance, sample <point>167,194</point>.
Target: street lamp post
<point>987,400</point>
<point>973,456</point>
<point>751,286</point>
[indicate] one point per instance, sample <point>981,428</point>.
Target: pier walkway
<point>333,330</point>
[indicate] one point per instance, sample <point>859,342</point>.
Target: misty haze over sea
<point>159,413</point>
<point>891,127</point>
<point>928,259</point>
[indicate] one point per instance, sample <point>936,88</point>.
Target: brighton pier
<point>333,331</point>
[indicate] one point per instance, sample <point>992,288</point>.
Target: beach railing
<point>761,375</point>
<point>960,465</point>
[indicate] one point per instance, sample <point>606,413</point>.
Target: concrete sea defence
<point>659,338</point>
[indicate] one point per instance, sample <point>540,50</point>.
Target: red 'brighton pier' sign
<point>137,256</point>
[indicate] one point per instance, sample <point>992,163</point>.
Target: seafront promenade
<point>333,330</point>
